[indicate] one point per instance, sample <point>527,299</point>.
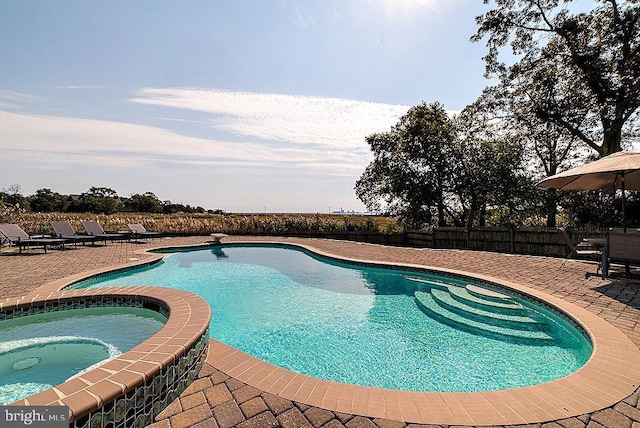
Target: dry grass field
<point>202,224</point>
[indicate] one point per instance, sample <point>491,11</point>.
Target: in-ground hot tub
<point>42,350</point>
<point>130,388</point>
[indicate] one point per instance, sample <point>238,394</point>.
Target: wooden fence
<point>531,241</point>
<point>502,240</point>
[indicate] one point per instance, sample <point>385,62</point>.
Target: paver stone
<point>253,407</point>
<point>318,417</point>
<point>263,420</point>
<point>360,422</point>
<point>228,414</point>
<point>611,418</point>
<point>276,404</point>
<point>218,394</point>
<point>292,418</point>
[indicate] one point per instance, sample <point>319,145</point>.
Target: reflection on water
<point>219,253</point>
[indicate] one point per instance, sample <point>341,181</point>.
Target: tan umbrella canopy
<point>620,170</point>
<point>616,171</point>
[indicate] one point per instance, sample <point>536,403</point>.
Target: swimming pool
<point>44,350</point>
<point>365,325</point>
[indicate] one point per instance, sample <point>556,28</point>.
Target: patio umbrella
<point>620,170</point>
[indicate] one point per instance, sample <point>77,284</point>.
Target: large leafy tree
<point>409,172</point>
<point>490,170</point>
<point>12,195</point>
<point>145,203</point>
<point>550,147</point>
<point>97,200</point>
<point>554,149</point>
<point>46,201</point>
<point>579,71</point>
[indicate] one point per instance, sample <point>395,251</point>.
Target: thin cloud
<point>46,141</point>
<point>173,119</point>
<point>11,100</point>
<point>17,96</point>
<point>311,14</point>
<point>301,20</point>
<point>8,106</point>
<point>84,87</point>
<point>308,14</point>
<point>329,122</point>
<point>402,8</point>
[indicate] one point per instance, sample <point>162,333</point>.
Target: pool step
<point>487,294</point>
<point>469,296</point>
<point>430,283</point>
<point>487,314</point>
<point>480,310</point>
<point>428,304</point>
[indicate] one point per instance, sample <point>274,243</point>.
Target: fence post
<point>511,240</point>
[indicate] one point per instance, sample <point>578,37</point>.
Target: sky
<point>243,105</point>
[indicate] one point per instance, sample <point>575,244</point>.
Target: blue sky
<point>243,105</point>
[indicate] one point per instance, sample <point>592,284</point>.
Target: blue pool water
<point>360,325</point>
<point>41,351</point>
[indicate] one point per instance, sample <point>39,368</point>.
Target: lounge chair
<point>64,230</point>
<point>13,234</point>
<point>93,228</point>
<point>139,231</point>
<point>585,250</point>
<point>623,245</point>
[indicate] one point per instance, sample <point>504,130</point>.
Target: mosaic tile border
<point>47,306</point>
<point>140,406</point>
<point>131,390</point>
<point>141,266</point>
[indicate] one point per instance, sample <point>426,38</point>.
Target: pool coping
<point>609,376</point>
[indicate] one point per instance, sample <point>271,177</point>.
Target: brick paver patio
<point>217,400</point>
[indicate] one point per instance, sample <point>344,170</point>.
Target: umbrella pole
<point>624,223</point>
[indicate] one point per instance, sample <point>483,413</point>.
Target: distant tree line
<point>569,93</point>
<point>99,200</point>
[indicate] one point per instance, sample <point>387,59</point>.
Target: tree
<point>169,207</point>
<point>551,147</point>
<point>146,203</point>
<point>97,200</point>
<point>102,192</point>
<point>489,166</point>
<point>46,201</point>
<point>408,175</point>
<point>12,195</point>
<point>580,71</point>
<point>591,209</point>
